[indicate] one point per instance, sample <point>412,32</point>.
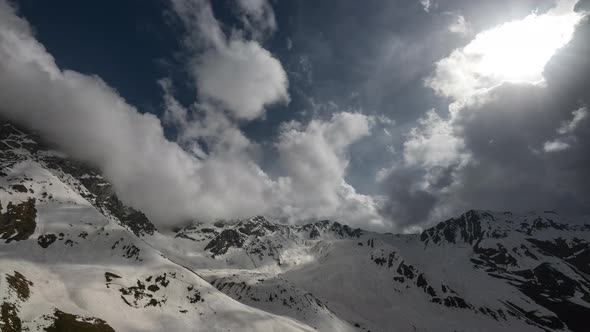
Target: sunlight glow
<point>518,51</point>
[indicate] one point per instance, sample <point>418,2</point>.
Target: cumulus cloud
<point>486,153</point>
<point>242,77</point>
<point>315,157</point>
<point>90,121</point>
<point>433,143</point>
<point>212,171</point>
<point>236,74</point>
<point>433,153</point>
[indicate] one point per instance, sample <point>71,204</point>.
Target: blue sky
<point>377,113</point>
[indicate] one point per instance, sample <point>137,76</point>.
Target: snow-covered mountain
<point>73,257</point>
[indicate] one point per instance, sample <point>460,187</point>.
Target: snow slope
<point>72,255</point>
<point>69,260</point>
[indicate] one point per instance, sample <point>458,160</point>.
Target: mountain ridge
<point>73,246</point>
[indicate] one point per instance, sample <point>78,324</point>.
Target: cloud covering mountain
<point>236,79</point>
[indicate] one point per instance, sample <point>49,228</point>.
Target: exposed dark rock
<point>163,280</point>
<point>495,257</point>
<point>141,296</point>
<point>315,233</point>
<point>550,322</point>
<point>552,289</point>
<point>111,276</point>
<point>257,226</point>
<point>576,253</point>
<point>455,302</point>
<point>194,295</point>
<point>407,271</point>
<point>18,222</point>
<point>46,240</point>
<point>19,188</point>
<point>466,228</point>
<point>229,238</point>
<point>20,285</point>
<point>345,230</point>
<point>67,322</point>
<point>131,251</point>
<point>9,318</point>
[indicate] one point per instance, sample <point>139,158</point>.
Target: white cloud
<point>242,76</point>
<point>566,132</point>
<point>434,144</point>
<point>578,116</point>
<point>315,158</point>
<point>460,25</point>
<point>515,51</point>
<point>426,5</point>
<point>236,74</point>
<point>212,172</point>
<point>200,127</point>
<point>555,146</point>
<point>90,121</point>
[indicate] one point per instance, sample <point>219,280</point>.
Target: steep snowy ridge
<point>72,255</point>
<point>68,263</point>
<point>542,255</point>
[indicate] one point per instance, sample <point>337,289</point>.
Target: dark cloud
<point>505,131</point>
<point>407,204</point>
<point>583,5</point>
<point>512,172</point>
<point>506,137</point>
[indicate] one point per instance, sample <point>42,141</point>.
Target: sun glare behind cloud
<point>516,51</point>
<point>519,50</point>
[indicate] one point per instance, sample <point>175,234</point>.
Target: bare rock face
<point>228,238</point>
<point>46,240</point>
<point>18,222</point>
<point>69,322</point>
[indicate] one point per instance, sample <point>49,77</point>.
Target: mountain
<point>73,257</point>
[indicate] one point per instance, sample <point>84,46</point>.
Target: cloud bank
<point>212,171</point>
<point>505,143</point>
<point>236,74</point>
<point>515,51</point>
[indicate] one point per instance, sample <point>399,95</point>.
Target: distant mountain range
<point>73,257</point>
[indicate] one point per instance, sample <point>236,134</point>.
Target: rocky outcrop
<point>18,222</point>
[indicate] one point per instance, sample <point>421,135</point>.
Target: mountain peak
<point>498,270</point>
<point>475,225</point>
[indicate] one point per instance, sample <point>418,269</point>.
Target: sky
<point>385,115</point>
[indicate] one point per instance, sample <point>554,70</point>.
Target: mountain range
<point>74,257</point>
